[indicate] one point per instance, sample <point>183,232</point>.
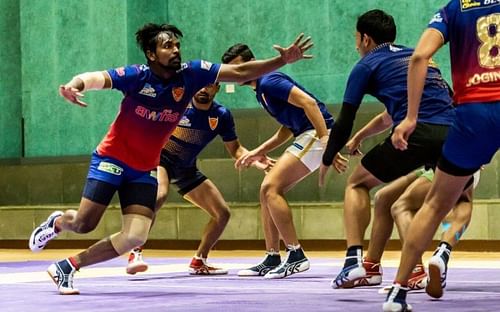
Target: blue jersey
<point>472,27</point>
<point>383,72</point>
<point>196,129</point>
<point>151,110</point>
<point>272,92</point>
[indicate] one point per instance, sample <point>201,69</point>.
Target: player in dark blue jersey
<point>472,29</point>
<point>203,121</point>
<point>305,118</point>
<point>381,72</point>
<point>155,97</point>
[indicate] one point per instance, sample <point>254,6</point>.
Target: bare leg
<point>458,219</point>
<point>82,221</point>
<point>357,204</point>
<point>444,193</point>
<point>207,197</point>
<point>287,171</point>
<point>382,220</point>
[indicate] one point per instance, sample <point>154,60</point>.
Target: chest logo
<point>148,90</point>
<point>213,122</point>
<point>177,93</point>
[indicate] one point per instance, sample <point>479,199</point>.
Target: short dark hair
<point>239,49</point>
<point>378,25</point>
<point>147,35</point>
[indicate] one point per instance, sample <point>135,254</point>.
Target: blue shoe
<point>62,274</point>
<point>396,300</point>
<point>270,262</point>
<point>295,262</point>
<point>350,276</point>
<point>43,233</point>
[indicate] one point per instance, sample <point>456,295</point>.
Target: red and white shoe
<point>418,278</point>
<point>135,262</point>
<point>370,274</point>
<point>199,266</point>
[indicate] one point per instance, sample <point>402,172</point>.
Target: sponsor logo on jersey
<point>206,65</point>
<point>185,122</point>
<point>469,4</point>
<point>177,93</point>
<point>167,115</point>
<point>110,168</point>
<point>148,91</point>
<point>213,122</point>
<point>120,71</point>
<point>483,78</point>
<point>437,18</point>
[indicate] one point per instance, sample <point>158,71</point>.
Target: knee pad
<point>135,230</point>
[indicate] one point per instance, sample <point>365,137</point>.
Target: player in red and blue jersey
<point>381,72</point>
<point>155,97</point>
<point>304,117</point>
<point>472,28</point>
<point>203,121</point>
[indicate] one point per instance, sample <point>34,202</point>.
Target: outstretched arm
<point>73,90</point>
<point>254,69</point>
<point>379,123</point>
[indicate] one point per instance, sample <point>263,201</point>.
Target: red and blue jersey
<point>150,110</point>
<point>196,129</point>
<point>272,92</point>
<point>383,72</point>
<point>472,27</point>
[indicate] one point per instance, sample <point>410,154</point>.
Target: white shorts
<point>307,148</point>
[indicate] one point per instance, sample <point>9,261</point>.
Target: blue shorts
<point>108,175</point>
<point>115,172</point>
<point>474,138</point>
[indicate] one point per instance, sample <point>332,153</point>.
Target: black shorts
<point>101,192</point>
<point>184,178</point>
<point>425,144</point>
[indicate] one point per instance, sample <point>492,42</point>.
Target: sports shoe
<point>199,266</point>
<point>43,233</point>
<point>418,278</point>
<point>271,261</point>
<point>437,276</point>
<point>350,277</point>
<point>135,262</point>
<point>295,262</point>
<point>62,274</point>
<point>396,300</point>
<point>372,277</point>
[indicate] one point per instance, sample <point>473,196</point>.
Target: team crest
<point>213,122</point>
<point>177,93</point>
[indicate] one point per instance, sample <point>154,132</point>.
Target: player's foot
<point>199,266</point>
<point>135,262</point>
<point>396,300</point>
<point>43,233</point>
<point>271,261</point>
<point>350,276</point>
<point>295,262</point>
<point>62,274</point>
<point>437,276</point>
<point>418,278</point>
<point>372,277</point>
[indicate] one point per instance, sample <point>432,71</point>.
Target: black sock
<point>354,255</point>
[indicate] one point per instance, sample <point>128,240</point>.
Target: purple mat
<point>467,290</point>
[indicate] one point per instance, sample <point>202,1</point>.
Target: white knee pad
<point>135,230</point>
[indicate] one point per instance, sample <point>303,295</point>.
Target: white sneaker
<point>135,262</point>
<point>295,262</point>
<point>43,233</point>
<point>62,273</point>
<point>437,276</point>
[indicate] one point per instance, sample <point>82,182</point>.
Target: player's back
<point>472,27</point>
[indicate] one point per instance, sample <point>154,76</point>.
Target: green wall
<point>46,42</point>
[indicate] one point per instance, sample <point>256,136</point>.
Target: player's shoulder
<point>220,109</point>
<point>195,65</point>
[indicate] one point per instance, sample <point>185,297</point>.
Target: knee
<point>223,216</point>
<point>268,190</point>
<point>397,208</point>
<point>136,239</point>
<point>82,227</point>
